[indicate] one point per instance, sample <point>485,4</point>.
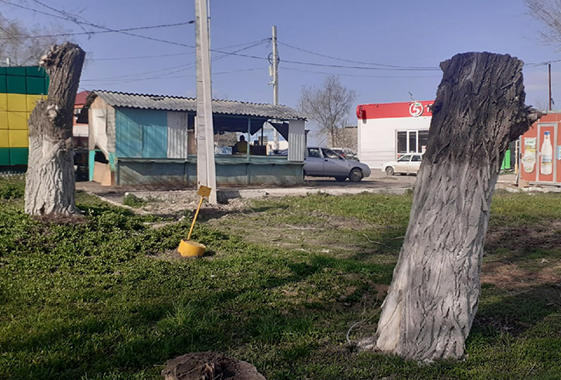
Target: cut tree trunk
<point>434,294</point>
<point>50,182</point>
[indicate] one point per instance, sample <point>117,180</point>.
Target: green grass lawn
<point>281,284</point>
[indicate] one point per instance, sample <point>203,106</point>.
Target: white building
<point>388,130</point>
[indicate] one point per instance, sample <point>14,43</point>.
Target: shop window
<point>411,141</point>
<point>423,139</point>
<point>401,142</point>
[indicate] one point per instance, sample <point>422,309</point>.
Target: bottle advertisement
<point>529,157</point>
<point>546,162</point>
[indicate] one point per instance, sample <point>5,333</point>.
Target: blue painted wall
<point>141,133</point>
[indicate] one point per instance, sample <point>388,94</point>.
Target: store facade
<point>386,131</point>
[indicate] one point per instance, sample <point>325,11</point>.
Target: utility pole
<point>275,82</point>
<point>550,96</point>
<point>204,129</point>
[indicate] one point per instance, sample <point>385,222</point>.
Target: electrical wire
<point>17,37</point>
<point>81,23</point>
<point>175,54</point>
<point>180,67</point>
<point>143,57</point>
<point>124,81</point>
<point>102,31</point>
<point>72,18</point>
<point>359,62</point>
<point>75,19</point>
<point>360,67</point>
<point>362,75</point>
<point>542,63</point>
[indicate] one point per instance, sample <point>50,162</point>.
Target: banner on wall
<point>529,157</point>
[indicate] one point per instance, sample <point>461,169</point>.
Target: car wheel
<point>340,179</point>
<point>389,170</point>
<point>355,175</point>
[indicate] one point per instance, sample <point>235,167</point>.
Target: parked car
<point>324,162</point>
<point>346,153</point>
<point>406,164</point>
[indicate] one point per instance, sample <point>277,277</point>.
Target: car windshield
<point>405,158</point>
<point>330,154</point>
<point>313,152</point>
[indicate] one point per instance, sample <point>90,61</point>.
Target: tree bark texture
<point>50,181</point>
<point>434,294</point>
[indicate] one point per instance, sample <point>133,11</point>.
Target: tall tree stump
<point>50,182</point>
<point>434,294</point>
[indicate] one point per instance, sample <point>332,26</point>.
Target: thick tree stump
<point>209,366</point>
<point>434,295</point>
<point>50,182</point>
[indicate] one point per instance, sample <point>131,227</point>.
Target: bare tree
<point>328,105</point>
<point>50,186</point>
<point>548,12</point>
<point>434,294</point>
<point>24,46</point>
<point>347,137</point>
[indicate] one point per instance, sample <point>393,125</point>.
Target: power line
<point>172,55</point>
<point>184,66</point>
<point>180,67</point>
<point>162,77</point>
<point>73,18</point>
<point>142,57</point>
<point>235,53</point>
<point>102,31</point>
<point>66,16</point>
<point>362,75</point>
<point>542,63</point>
<point>361,67</point>
<point>81,23</point>
<point>362,63</point>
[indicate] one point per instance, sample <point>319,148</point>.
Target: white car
<point>407,164</point>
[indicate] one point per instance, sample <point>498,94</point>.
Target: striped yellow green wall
<point>20,89</point>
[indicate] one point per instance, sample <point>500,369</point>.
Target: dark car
<point>324,162</point>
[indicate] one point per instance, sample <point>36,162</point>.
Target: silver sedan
<point>324,162</point>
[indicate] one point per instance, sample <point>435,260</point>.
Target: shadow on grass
<point>515,243</point>
<point>130,337</point>
<point>517,312</point>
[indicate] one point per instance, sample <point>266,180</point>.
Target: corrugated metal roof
<point>178,103</point>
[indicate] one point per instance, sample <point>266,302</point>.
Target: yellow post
<point>195,218</point>
<point>189,248</point>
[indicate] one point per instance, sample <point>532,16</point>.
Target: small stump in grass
<point>209,366</point>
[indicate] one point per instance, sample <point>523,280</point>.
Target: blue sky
<point>404,33</point>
